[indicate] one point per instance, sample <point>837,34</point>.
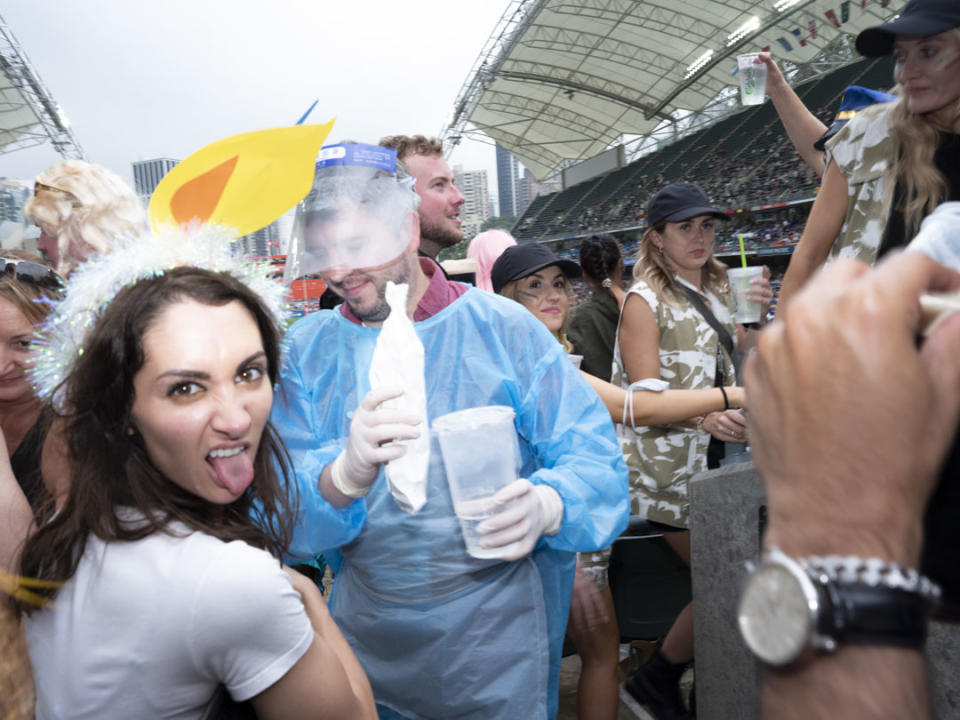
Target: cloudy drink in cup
<point>481,457</point>
<point>753,79</point>
<point>747,311</point>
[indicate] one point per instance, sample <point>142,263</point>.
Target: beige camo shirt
<point>862,152</point>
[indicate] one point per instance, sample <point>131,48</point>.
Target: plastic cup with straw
<point>747,311</point>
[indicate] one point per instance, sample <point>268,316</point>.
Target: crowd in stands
<point>743,162</point>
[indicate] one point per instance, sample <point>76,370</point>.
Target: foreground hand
<point>849,419</point>
<point>587,609</point>
<point>529,511</point>
<point>727,425</point>
<point>373,431</point>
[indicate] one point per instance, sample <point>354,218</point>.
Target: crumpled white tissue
<point>398,362</point>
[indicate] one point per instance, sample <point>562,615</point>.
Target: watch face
<point>777,613</point>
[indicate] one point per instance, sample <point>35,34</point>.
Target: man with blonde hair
<point>440,199</point>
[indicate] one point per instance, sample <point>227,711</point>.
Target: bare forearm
<point>16,517</point>
<point>330,492</point>
<point>328,631</point>
<point>661,408</point>
<point>802,126</point>
<point>823,227</point>
<point>879,683</point>
<point>16,520</point>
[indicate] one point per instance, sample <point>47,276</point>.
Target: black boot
<point>656,685</point>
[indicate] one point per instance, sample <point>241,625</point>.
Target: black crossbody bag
<point>716,450</point>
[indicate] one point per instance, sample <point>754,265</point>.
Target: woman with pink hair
<point>485,248</point>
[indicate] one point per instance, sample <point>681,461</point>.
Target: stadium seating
<point>744,161</point>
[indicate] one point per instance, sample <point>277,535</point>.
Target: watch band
<point>790,609</point>
<point>871,571</point>
<point>860,614</point>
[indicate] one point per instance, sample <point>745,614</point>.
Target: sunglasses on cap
<point>31,272</point>
<point>74,201</point>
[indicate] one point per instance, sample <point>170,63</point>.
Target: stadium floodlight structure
<point>28,113</point>
<point>560,81</point>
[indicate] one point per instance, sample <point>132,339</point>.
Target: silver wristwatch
<point>790,609</point>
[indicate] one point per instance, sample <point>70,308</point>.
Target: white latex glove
<point>530,511</point>
<point>372,431</point>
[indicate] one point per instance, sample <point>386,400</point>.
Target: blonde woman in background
<point>82,209</point>
<point>540,281</point>
<point>893,163</point>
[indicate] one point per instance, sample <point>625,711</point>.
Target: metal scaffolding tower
<point>29,115</point>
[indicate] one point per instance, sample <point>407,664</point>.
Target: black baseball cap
<point>919,18</point>
<point>680,201</point>
<point>521,260</point>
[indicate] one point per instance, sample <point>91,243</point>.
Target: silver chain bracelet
<point>871,571</point>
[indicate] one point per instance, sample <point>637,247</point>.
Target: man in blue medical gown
<point>440,633</point>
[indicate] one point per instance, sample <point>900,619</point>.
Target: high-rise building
<point>14,229</point>
<point>264,242</point>
<point>147,174</point>
<point>476,209</point>
<point>528,188</point>
<point>507,174</point>
<point>13,195</point>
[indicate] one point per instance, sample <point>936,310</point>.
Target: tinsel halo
<point>95,283</point>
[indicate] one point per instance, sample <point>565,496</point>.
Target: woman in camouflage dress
<point>893,163</point>
<point>540,281</point>
<point>663,338</point>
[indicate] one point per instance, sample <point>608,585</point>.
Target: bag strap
<point>722,334</point>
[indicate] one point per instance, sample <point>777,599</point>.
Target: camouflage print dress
<point>662,459</point>
<point>862,151</point>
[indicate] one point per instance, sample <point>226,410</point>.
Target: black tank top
<point>947,161</point>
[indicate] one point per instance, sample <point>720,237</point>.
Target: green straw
<point>743,254</point>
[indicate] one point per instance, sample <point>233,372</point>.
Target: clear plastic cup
<point>481,456</point>
<point>753,79</point>
<point>746,311</point>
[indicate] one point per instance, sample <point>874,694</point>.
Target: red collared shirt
<point>440,293</point>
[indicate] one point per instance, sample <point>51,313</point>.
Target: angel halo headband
<point>94,284</point>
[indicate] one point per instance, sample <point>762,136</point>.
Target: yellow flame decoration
<point>244,181</point>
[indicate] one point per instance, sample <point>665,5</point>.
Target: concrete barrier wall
<point>725,506</point>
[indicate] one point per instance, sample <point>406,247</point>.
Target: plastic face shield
<point>357,215</point>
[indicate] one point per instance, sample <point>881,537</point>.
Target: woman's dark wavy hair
<point>109,465</point>
<point>599,255</point>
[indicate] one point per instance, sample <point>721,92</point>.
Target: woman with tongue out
<point>163,560</point>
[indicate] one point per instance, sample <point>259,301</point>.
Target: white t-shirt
<point>150,628</point>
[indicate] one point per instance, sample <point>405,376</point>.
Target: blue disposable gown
<point>442,634</point>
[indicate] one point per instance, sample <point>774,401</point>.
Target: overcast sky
<point>142,79</point>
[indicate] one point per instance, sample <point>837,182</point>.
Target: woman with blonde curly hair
<point>82,208</point>
<point>893,163</point>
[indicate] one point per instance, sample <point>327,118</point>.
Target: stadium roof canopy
<point>560,81</point>
<point>28,113</point>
